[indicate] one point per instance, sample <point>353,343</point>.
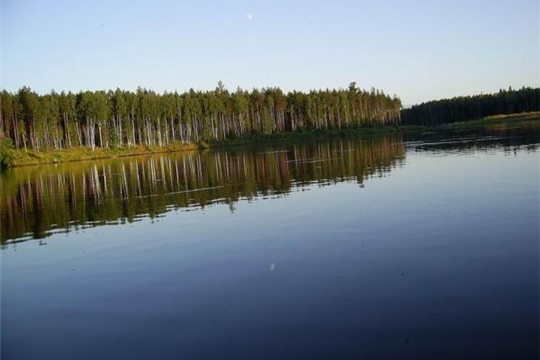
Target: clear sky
<point>419,50</point>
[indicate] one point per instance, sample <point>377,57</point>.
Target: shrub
<point>6,151</point>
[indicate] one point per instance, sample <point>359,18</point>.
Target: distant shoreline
<point>22,157</point>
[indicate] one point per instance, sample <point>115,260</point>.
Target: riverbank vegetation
<point>11,157</point>
<point>27,157</point>
<point>495,119</point>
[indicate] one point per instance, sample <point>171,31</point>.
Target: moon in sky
<point>249,16</point>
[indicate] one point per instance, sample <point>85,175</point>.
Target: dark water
<point>418,247</point>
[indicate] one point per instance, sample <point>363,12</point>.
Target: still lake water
<point>423,247</point>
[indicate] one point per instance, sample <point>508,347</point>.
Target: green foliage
<point>6,152</point>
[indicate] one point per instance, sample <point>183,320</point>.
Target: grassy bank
<point>22,157</point>
<point>495,119</point>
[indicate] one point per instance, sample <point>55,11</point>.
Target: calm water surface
<point>423,247</point>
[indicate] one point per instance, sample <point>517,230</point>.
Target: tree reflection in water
<point>39,200</point>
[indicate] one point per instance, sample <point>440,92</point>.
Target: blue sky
<point>419,50</point>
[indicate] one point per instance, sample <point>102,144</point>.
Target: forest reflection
<point>36,202</point>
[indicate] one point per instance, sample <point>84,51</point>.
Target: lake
<point>401,246</point>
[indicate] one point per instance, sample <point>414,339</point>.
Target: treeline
<point>465,108</point>
<point>120,118</point>
<point>37,200</point>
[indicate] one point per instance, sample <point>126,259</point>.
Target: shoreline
<point>22,158</point>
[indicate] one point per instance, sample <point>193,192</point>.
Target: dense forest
<point>37,200</point>
<point>116,119</point>
<point>465,108</point>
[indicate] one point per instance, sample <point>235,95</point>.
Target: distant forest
<point>465,108</point>
<point>119,118</point>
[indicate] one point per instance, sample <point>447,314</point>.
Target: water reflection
<point>39,201</point>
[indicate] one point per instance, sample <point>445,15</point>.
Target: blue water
<point>437,258</point>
